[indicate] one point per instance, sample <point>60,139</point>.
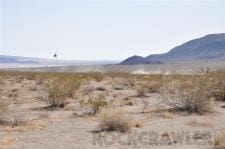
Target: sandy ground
<point>66,128</point>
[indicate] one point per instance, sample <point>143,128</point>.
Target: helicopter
<point>55,55</point>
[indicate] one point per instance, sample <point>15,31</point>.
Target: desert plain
<point>113,109</point>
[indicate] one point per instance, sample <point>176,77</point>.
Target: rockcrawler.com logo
<point>149,138</point>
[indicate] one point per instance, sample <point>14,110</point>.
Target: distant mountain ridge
<point>8,60</point>
<point>209,47</point>
<point>17,59</point>
<point>139,60</point>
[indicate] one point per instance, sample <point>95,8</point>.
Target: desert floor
<point>31,122</point>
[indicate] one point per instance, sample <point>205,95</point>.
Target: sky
<point>104,29</point>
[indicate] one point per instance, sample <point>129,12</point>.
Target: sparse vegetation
<point>4,110</point>
<point>94,104</point>
<point>146,106</point>
<point>219,91</point>
<point>141,91</point>
<point>193,100</point>
<point>148,87</point>
<point>18,120</point>
<point>7,118</point>
<point>219,142</point>
<point>98,98</point>
<point>96,76</point>
<point>59,90</point>
<point>111,120</point>
<point>1,80</point>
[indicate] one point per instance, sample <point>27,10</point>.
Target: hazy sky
<point>104,29</point>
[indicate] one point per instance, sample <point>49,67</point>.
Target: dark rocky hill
<point>209,47</point>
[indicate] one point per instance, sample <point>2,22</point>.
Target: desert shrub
<point>56,102</point>
<point>59,90</point>
<point>4,110</point>
<point>154,86</point>
<point>1,80</point>
<point>40,80</point>
<point>219,142</point>
<point>146,105</point>
<point>44,115</point>
<point>87,91</point>
<point>56,96</point>
<point>31,75</point>
<point>13,120</point>
<point>19,79</point>
<point>148,87</point>
<point>17,120</point>
<point>219,91</point>
<point>130,82</point>
<point>216,81</point>
<point>141,91</point>
<point>122,82</point>
<point>194,100</point>
<point>96,76</point>
<point>111,120</point>
<point>95,105</point>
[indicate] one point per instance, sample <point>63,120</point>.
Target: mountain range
<point>209,47</point>
<point>17,59</point>
<point>6,60</point>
